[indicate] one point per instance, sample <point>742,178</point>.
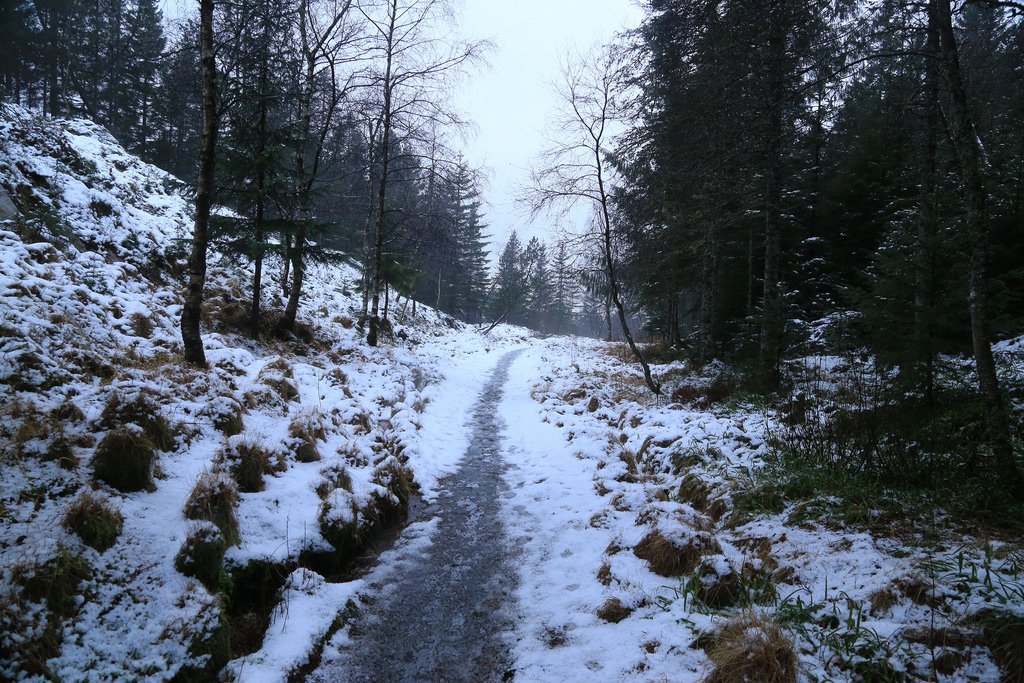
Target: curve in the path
<point>443,619</point>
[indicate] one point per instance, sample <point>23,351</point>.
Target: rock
<point>593,405</point>
<point>8,211</point>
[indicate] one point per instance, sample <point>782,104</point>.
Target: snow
<point>593,463</point>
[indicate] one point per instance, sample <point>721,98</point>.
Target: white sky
<point>511,100</point>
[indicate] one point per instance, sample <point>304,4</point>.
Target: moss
<point>56,583</point>
<point>202,556</point>
<point>124,459</point>
<point>214,499</point>
<point>95,520</point>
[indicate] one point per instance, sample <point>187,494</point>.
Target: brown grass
<point>666,558</point>
<point>604,574</point>
<point>613,611</point>
<point>94,518</point>
<point>751,649</point>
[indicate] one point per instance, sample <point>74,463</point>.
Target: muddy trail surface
<point>443,618</point>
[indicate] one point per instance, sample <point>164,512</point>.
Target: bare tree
<point>326,33</point>
<point>575,167</point>
<point>415,62</point>
<point>191,312</point>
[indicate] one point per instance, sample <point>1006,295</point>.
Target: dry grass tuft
<point>96,521</point>
<point>142,325</point>
<point>604,574</point>
<point>139,410</point>
<point>124,459</point>
<point>214,499</point>
<point>751,649</point>
<point>613,611</point>
<point>667,558</point>
<point>247,461</point>
<point>307,429</point>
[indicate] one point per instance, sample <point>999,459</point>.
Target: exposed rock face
<point>8,210</point>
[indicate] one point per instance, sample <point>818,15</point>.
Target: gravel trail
<point>444,617</point>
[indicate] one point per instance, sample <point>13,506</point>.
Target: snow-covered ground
<point>598,466</point>
<point>622,515</point>
<point>91,294</point>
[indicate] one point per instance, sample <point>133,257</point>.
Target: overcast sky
<point>511,100</point>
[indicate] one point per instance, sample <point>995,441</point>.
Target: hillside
<point>277,444</point>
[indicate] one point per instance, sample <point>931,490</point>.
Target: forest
<point>801,212</point>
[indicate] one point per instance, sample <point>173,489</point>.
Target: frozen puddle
<point>443,617</point>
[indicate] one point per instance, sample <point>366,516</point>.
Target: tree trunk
<point>970,156</point>
<point>291,310</point>
<point>708,298</point>
<point>613,284</point>
<point>385,158</point>
<point>191,312</point>
<point>924,261</point>
<point>261,180</point>
<point>771,313</point>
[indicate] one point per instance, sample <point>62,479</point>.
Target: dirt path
<point>442,619</point>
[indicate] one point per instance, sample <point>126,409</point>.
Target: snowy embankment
<point>278,443</point>
<point>640,552</point>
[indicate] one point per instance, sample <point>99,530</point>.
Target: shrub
<point>138,410</point>
<point>749,648</point>
<point>247,461</point>
<point>202,555</point>
<point>214,499</point>
<point>124,459</point>
<point>95,520</point>
<point>675,557</point>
